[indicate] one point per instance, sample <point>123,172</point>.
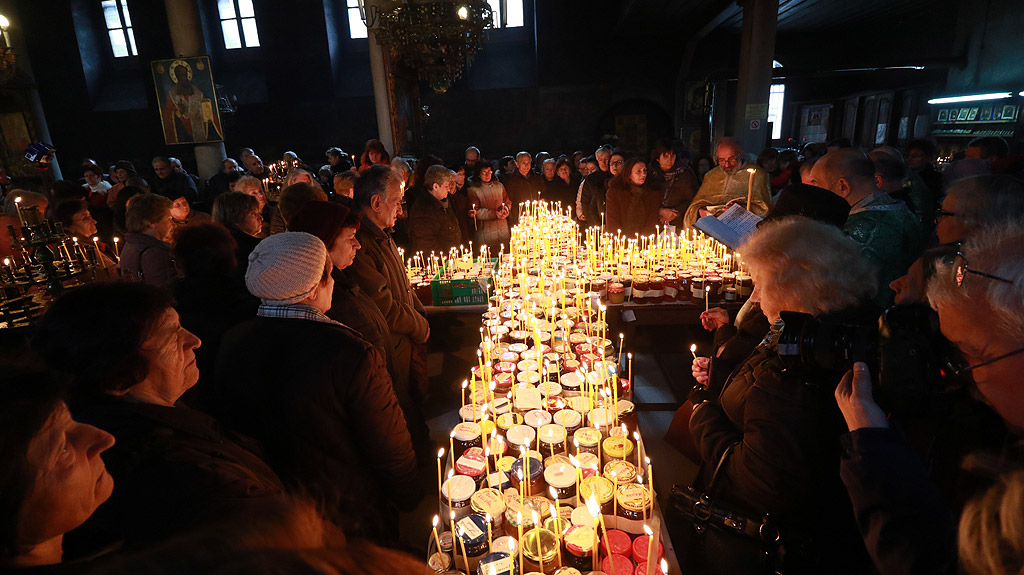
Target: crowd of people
<point>147,413</point>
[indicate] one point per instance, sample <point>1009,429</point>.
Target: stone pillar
<point>757,51</point>
<point>187,40</point>
<point>378,72</point>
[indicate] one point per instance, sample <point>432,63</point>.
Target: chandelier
<point>437,39</point>
<point>7,55</point>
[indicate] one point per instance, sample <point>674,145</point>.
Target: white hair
<point>991,537</point>
<point>998,251</point>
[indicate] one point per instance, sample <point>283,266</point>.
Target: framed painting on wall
<point>187,100</point>
<point>943,115</point>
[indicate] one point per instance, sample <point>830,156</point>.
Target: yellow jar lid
<point>587,436</point>
<point>487,426</point>
<point>540,544</point>
<point>488,500</point>
<point>595,486</point>
<point>633,497</point>
<point>505,463</point>
<point>617,447</point>
<point>620,471</point>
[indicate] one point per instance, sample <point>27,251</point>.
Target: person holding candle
<point>493,207</point>
<point>631,206</point>
<point>74,215</point>
<point>783,422</point>
<point>730,181</point>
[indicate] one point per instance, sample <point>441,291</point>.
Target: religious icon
<point>1009,112</point>
<point>986,113</point>
<point>187,100</point>
<point>972,115</point>
<point>943,115</point>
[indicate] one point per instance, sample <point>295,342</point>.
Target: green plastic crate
<point>447,292</point>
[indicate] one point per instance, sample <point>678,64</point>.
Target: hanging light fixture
<point>436,39</point>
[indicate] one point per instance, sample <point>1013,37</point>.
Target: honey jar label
<point>587,436</point>
<point>469,529</point>
<point>501,566</point>
<point>580,539</point>
<point>634,497</point>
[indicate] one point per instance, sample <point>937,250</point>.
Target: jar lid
<point>617,564</point>
<point>467,431</point>
<point>499,479</point>
<point>518,347</point>
<point>559,525</point>
<point>505,463</point>
<point>512,514</point>
<point>571,364</point>
<point>471,462</point>
<point>567,417</point>
<point>527,365</point>
<point>589,461</point>
<point>633,497</point>
<point>439,562</point>
<point>504,379</point>
<point>505,544</point>
<point>640,546</point>
<point>509,356</point>
<point>552,358</point>
<point>577,338</point>
<point>527,398</point>
<point>488,500</point>
<point>597,486</point>
<point>471,412</point>
<point>497,563</point>
<point>536,468</point>
<point>578,403</point>
<point>626,407</point>
<point>549,388</point>
<point>460,487</point>
<point>555,459</point>
<point>560,475</point>
<point>472,529</point>
<point>509,420</point>
<point>600,417</point>
<point>551,433</point>
<point>540,544</point>
<point>528,377</point>
<point>579,540</point>
<point>505,367</point>
<point>587,436</point>
<point>537,418</point>
<point>641,569</point>
<point>590,358</point>
<point>620,471</point>
<point>617,447</point>
<point>571,380</point>
<point>618,541</point>
<point>581,517</point>
<point>521,435</point>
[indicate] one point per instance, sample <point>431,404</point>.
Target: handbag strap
<point>709,490</point>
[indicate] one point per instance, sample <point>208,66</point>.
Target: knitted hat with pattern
<point>285,268</point>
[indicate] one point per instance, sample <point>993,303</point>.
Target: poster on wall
<point>187,100</point>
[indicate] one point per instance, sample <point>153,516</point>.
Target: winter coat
<point>557,190</point>
<point>677,188</point>
<point>592,193</point>
<point>522,189</point>
<point>353,308</point>
<point>323,408</point>
<point>246,244</point>
<point>489,198</point>
<point>148,260</point>
<point>786,428</point>
<point>174,469</point>
<point>632,209</point>
<point>433,226</point>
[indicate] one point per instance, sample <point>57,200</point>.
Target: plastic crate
<point>461,292</point>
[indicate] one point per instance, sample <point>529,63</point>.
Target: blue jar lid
<point>536,468</point>
<point>497,563</point>
<point>472,529</point>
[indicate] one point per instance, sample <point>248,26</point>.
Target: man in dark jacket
<point>522,185</point>
<point>380,272</point>
<point>594,186</point>
<point>171,183</point>
<point>322,403</point>
<point>433,224</point>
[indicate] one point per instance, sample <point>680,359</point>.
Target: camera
<point>904,349</point>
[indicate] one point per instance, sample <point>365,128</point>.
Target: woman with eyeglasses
<point>978,292</point>
<point>978,202</point>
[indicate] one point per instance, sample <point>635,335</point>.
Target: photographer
<point>781,424</point>
<point>904,521</point>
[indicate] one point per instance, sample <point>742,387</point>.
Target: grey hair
<point>603,151</point>
<point>248,183</point>
<point>991,538</point>
<point>985,201</point>
<point>810,266</point>
<point>998,251</point>
<point>521,154</point>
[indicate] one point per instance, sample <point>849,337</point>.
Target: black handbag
<point>711,539</point>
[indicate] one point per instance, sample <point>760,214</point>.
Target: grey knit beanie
<point>285,268</point>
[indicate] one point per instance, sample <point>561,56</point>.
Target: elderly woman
<point>322,404</point>
<point>908,526</point>
<point>492,208</point>
<point>977,202</point>
<point>632,207</point>
<point>336,226</point>
<point>254,187</point>
<point>78,222</point>
<point>146,256</point>
<point>175,467</point>
<point>240,214</point>
<point>772,432</point>
<point>51,475</point>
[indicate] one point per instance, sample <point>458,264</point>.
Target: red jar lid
<point>616,564</point>
<point>471,462</point>
<point>640,545</point>
<point>619,543</point>
<point>641,569</point>
<point>506,367</point>
<point>571,365</point>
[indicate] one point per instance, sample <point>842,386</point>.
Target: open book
<point>732,227</point>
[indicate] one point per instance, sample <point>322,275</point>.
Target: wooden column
<point>757,52</point>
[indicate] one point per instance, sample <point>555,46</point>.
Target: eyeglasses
<point>960,271</point>
<point>960,369</point>
<point>618,162</point>
<point>939,214</point>
<point>730,159</point>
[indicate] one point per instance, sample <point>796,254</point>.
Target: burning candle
<point>17,206</point>
<point>437,540</point>
<point>693,350</point>
<point>750,186</point>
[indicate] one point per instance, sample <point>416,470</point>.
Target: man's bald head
<point>847,172</point>
<point>727,154</point>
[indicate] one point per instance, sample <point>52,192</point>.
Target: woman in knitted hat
<point>336,226</point>
<point>321,402</point>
